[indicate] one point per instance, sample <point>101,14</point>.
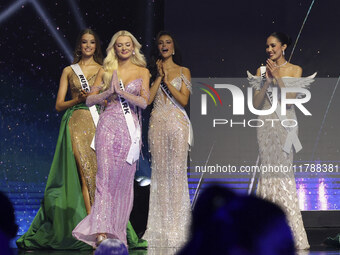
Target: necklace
<point>282,64</point>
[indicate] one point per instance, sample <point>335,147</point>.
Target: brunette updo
<point>282,38</point>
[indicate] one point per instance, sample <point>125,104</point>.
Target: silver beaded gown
<point>280,188</point>
<point>169,206</point>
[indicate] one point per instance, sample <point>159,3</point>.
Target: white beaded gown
<point>280,188</point>
<point>169,206</point>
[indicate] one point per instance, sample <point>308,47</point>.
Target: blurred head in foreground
<point>229,224</point>
<point>111,247</point>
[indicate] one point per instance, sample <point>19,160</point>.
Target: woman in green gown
<point>71,183</point>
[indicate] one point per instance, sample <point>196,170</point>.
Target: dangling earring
<point>173,53</point>
<point>133,53</point>
<point>283,52</point>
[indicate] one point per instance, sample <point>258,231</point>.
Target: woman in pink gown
<point>114,182</point>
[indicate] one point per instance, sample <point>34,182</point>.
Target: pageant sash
<point>173,100</point>
<point>292,139</point>
<point>85,86</point>
<point>135,132</point>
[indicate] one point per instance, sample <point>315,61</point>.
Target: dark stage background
<point>225,39</point>
<point>217,39</point>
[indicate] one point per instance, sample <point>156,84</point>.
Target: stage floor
<point>162,251</point>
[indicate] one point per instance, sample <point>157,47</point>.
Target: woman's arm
<point>274,71</point>
<point>145,92</point>
<point>182,95</point>
<point>260,94</point>
<point>155,85</point>
<point>61,104</point>
<point>94,97</point>
<point>142,100</point>
<point>154,88</point>
<point>98,81</point>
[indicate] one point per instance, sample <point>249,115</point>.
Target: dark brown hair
<point>98,56</point>
<point>282,37</point>
<point>177,58</point>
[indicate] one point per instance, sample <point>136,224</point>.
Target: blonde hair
<point>111,61</point>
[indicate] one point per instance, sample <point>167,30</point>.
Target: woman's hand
<point>272,69</point>
<point>159,64</point>
<point>112,84</point>
<point>165,77</point>
<point>117,88</point>
<point>82,96</point>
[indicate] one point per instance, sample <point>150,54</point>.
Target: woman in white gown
<point>279,188</point>
<point>169,207</point>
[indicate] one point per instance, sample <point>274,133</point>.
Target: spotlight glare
<point>11,9</point>
<point>48,22</point>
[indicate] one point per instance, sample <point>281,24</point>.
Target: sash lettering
<point>85,86</point>
<point>135,132</point>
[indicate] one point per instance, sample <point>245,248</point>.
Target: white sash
<point>292,139</point>
<point>135,132</point>
<point>85,86</point>
<point>173,100</point>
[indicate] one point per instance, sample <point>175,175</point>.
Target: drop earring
<point>173,53</point>
<point>283,52</point>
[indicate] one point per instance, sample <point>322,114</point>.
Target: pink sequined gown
<point>169,206</point>
<point>114,184</point>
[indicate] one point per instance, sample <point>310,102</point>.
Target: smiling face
<point>274,48</point>
<point>166,46</point>
<point>88,45</point>
<point>124,47</point>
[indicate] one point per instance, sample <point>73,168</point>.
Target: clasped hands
<point>114,85</point>
<point>163,73</point>
<point>82,96</point>
<point>272,73</point>
<point>272,70</point>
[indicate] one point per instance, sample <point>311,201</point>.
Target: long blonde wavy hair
<point>111,60</point>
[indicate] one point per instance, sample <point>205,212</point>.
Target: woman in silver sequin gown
<point>280,189</point>
<point>169,207</point>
